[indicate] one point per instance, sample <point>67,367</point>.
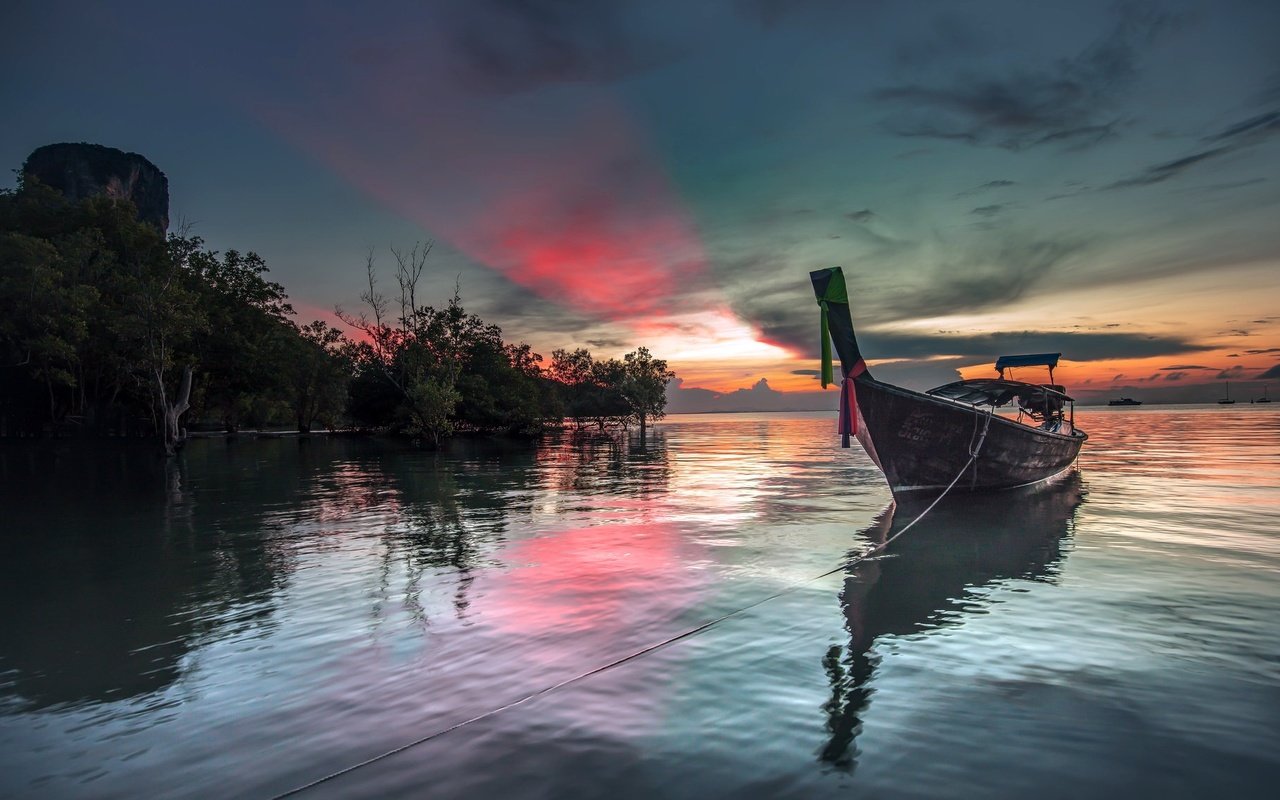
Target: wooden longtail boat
<point>925,441</point>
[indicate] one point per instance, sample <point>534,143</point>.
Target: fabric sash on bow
<point>828,372</point>
<point>849,404</point>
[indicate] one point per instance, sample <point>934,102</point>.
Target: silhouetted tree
<point>109,325</point>
<point>317,375</point>
<point>643,383</point>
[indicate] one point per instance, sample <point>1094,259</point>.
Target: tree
<point>419,352</point>
<point>249,343</point>
<point>47,321</point>
<point>111,324</point>
<point>168,316</point>
<point>317,374</point>
<point>644,385</point>
<point>587,388</point>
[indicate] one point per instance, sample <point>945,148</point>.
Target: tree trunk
<point>173,434</point>
<point>304,411</point>
<point>53,406</point>
<point>642,426</point>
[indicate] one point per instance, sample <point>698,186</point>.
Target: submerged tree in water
<point>644,385</point>
<point>589,388</point>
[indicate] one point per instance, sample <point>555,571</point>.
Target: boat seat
<point>1040,404</point>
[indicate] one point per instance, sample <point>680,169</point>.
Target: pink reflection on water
<point>583,598</point>
<point>589,580</point>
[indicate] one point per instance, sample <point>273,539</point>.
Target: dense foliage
<point>110,328</point>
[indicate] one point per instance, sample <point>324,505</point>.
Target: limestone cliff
<point>87,170</point>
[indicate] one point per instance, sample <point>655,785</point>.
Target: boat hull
<point>922,442</point>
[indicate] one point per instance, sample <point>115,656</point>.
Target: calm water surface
<point>266,612</point>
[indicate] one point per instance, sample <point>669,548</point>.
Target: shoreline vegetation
<point>114,329</point>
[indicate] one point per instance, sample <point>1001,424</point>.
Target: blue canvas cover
<point>1030,360</point>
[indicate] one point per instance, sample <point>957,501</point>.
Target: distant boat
<point>928,440</point>
<point>1125,401</point>
<point>1264,398</point>
<point>1227,401</point>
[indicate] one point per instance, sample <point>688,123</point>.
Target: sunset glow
<point>710,338</point>
<point>1095,183</point>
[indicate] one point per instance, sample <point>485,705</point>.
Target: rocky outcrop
<point>88,170</point>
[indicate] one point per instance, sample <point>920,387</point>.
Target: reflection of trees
<point>457,505</point>
<point>116,562</point>
<point>455,508</point>
<point>963,543</point>
<point>115,565</point>
<point>586,462</point>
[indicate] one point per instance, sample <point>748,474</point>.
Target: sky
<point>1096,179</point>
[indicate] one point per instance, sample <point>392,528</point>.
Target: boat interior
<point>1041,405</point>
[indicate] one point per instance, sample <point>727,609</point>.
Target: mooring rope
<point>863,556</point>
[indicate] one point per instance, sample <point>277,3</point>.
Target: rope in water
<point>868,553</point>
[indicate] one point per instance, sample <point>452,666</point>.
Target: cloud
<point>1181,367</point>
<point>1232,138</point>
<point>763,397</point>
<point>771,14</point>
<point>510,46</point>
<point>1272,373</point>
<point>945,38</point>
<point>511,301</point>
<point>759,397</point>
<point>799,333</point>
<point>1231,372</point>
<point>997,273</point>
<point>1271,92</point>
<point>576,207</point>
<point>985,187</point>
<point>865,215</point>
<point>988,211</point>
<point>1175,376</point>
<point>1169,169</point>
<point>811,372</point>
<point>1225,187</point>
<point>1261,125</point>
<point>1265,350</point>
<point>1068,103</point>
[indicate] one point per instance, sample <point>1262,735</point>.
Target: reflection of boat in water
<point>963,543</point>
<point>1125,401</point>
<point>928,440</point>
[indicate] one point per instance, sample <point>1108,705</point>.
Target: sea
<point>596,616</point>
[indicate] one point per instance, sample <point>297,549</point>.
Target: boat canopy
<point>1049,360</point>
<point>992,391</point>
